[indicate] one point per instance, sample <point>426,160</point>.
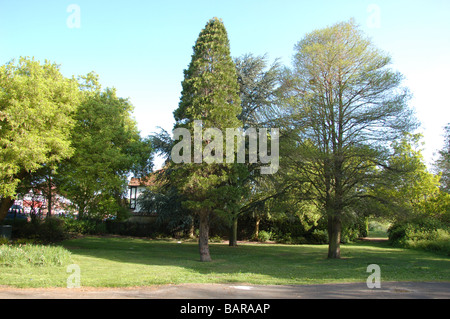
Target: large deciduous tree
<point>209,94</point>
<point>345,106</point>
<point>36,117</point>
<point>108,148</point>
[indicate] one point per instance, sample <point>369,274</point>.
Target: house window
<point>133,197</point>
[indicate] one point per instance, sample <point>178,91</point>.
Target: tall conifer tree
<point>209,94</point>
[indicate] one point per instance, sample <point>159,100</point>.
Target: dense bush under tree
<point>422,233</point>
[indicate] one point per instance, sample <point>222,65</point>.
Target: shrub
<point>318,236</point>
<point>215,239</point>
<point>422,233</point>
<point>52,230</point>
<point>132,229</point>
<point>350,234</point>
<point>264,236</point>
<point>85,226</point>
<point>49,230</point>
<point>437,240</point>
<point>291,240</point>
<point>77,226</point>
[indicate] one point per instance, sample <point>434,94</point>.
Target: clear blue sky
<point>142,47</point>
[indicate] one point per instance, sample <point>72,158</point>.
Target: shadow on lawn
<point>294,263</point>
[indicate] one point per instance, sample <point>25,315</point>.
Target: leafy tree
<point>108,148</point>
<point>443,162</point>
<point>405,185</point>
<point>344,106</point>
<point>411,197</point>
<point>210,94</point>
<point>258,90</point>
<point>258,86</point>
<point>36,108</point>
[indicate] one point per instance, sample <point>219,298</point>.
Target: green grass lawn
<point>121,262</point>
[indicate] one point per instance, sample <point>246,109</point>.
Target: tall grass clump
<point>33,255</point>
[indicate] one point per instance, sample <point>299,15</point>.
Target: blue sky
<point>142,47</point>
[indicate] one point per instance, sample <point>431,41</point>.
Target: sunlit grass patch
<point>33,255</point>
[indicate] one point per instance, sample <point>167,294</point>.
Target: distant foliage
<point>84,227</point>
<point>423,233</point>
<point>443,162</point>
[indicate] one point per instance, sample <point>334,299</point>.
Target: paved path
<point>388,290</point>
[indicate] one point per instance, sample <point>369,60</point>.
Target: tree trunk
<point>81,206</point>
<point>258,220</point>
<point>233,232</point>
<point>5,205</point>
<point>49,197</point>
<point>334,236</point>
<point>204,236</point>
<point>7,202</point>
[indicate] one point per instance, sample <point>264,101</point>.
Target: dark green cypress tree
<point>210,94</point>
<point>210,87</point>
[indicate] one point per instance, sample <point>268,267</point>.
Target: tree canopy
<point>344,106</point>
<point>108,147</point>
<point>66,134</point>
<point>36,107</point>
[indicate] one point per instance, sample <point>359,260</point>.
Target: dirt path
<point>388,290</point>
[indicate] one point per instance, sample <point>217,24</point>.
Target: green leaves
<point>83,135</point>
<point>405,185</point>
<point>344,106</point>
<point>107,148</point>
<point>210,89</point>
<point>36,107</point>
<point>210,93</point>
